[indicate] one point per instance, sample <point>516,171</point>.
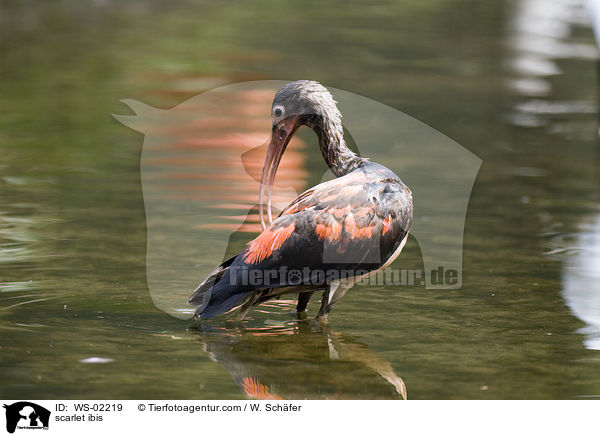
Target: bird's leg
<point>303,300</point>
<point>335,292</point>
<point>325,307</point>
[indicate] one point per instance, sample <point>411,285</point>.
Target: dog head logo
<point>26,415</point>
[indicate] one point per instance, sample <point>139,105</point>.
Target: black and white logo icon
<point>26,415</point>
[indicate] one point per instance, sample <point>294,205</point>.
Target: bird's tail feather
<point>222,305</point>
<point>216,294</point>
<point>202,294</point>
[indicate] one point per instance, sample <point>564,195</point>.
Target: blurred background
<point>514,82</point>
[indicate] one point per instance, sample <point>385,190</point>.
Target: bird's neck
<point>340,159</point>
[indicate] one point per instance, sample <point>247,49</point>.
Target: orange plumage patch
<point>355,231</point>
<point>267,242</point>
<point>386,224</point>
<point>332,232</point>
<point>363,232</point>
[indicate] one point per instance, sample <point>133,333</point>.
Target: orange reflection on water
<point>212,153</point>
<point>256,390</point>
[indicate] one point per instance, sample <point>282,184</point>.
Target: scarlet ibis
<point>327,238</point>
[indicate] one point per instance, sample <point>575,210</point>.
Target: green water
<point>73,225</point>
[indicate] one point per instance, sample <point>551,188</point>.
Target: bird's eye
<point>278,111</point>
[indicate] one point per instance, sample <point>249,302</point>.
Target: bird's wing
<point>351,224</point>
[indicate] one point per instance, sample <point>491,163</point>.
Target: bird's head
<point>303,102</point>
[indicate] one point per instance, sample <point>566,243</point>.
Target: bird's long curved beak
<point>282,133</point>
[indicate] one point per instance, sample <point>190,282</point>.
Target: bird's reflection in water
<point>300,359</point>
